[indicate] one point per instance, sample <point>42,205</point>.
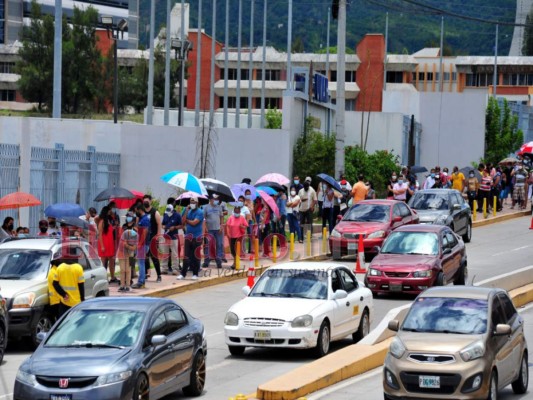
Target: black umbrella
<point>75,221</point>
<point>114,193</point>
<point>417,169</point>
<point>273,185</point>
<point>466,171</point>
<point>220,188</point>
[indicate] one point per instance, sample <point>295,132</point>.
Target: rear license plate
<point>262,335</point>
<point>429,382</point>
<point>352,246</point>
<point>60,397</point>
<point>395,287</point>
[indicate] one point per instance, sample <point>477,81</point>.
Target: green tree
<point>502,135</point>
<point>298,45</point>
<point>313,153</point>
<point>36,58</point>
<point>527,46</point>
<point>273,118</point>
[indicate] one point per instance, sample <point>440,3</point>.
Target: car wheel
<point>441,280</point>
<point>3,342</point>
<point>462,276</point>
<point>520,385</point>
<point>142,388</point>
<point>467,237</point>
<point>364,327</point>
<point>386,397</point>
<point>44,324</point>
<point>236,350</point>
<point>198,373</point>
<point>322,345</point>
<point>493,388</point>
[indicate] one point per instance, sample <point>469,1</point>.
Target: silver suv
<point>24,268</point>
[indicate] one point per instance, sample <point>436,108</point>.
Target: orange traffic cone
<point>360,257</point>
<point>531,225</point>
<point>251,277</point>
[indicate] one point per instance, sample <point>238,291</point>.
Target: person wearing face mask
<point>236,229</point>
<point>106,242</point>
<point>297,184</point>
<point>193,223</point>
<point>430,180</point>
<point>142,231</point>
<point>472,186</point>
<point>20,232</point>
<point>153,235</point>
<point>53,227</point>
<point>392,182</point>
<point>213,228</point>
<point>458,180</point>
<point>7,228</point>
<point>172,223</point>
<point>127,247</point>
<point>43,228</point>
<point>308,203</point>
<point>293,207</point>
<point>359,190</point>
<point>327,210</point>
<point>399,190</point>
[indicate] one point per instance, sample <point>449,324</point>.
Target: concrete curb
<point>499,218</point>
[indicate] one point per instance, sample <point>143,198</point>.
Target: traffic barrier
<point>251,277</point>
<point>256,252</point>
<point>485,207</point>
<point>474,211</point>
<point>238,255</point>
<point>308,243</point>
<point>274,249</point>
<point>495,205</point>
<point>324,240</point>
<point>291,247</point>
<point>240,396</point>
<point>360,257</point>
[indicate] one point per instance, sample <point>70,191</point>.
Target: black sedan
<point>444,207</point>
<point>114,348</point>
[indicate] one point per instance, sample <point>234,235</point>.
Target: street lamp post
<point>181,49</point>
<point>113,31</point>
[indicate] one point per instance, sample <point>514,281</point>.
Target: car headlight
<point>231,319</point>
<point>113,378</point>
<point>303,321</point>
<point>26,378</point>
<point>24,300</point>
<point>397,348</point>
<point>473,351</point>
<point>374,272</point>
<point>440,220</point>
<point>426,273</point>
<point>376,234</point>
<point>335,233</point>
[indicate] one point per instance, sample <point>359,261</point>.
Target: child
<point>235,229</point>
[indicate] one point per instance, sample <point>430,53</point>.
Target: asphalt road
<point>495,249</point>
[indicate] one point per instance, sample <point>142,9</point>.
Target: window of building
<point>232,74</point>
<point>232,102</point>
<point>421,76</point>
<point>270,74</point>
<point>350,76</point>
<point>478,80</point>
<point>430,76</point>
<point>7,67</point>
<point>394,77</point>
<point>447,76</point>
<point>349,105</point>
<point>7,95</point>
<point>333,75</point>
<point>272,102</point>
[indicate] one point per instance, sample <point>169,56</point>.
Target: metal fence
<point>9,175</point>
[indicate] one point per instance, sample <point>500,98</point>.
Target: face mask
<point>248,197</point>
<point>216,202</point>
<point>236,214</point>
<point>10,227</point>
<point>445,173</point>
<point>296,181</point>
<point>400,181</point>
<point>471,175</point>
<point>193,206</point>
<point>394,177</point>
<point>129,219</point>
<point>43,229</point>
<point>52,224</point>
<point>146,204</point>
<point>293,193</point>
<point>306,186</point>
<point>22,235</point>
<point>433,175</point>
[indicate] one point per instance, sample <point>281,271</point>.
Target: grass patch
<point>136,118</point>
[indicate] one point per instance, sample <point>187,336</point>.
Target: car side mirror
<point>456,207</point>
<point>340,294</point>
<point>40,337</point>
<point>394,325</point>
<point>158,340</point>
<point>446,251</point>
<point>246,290</point>
<point>397,219</point>
<point>502,330</point>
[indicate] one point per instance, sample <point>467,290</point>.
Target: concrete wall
<point>406,102</point>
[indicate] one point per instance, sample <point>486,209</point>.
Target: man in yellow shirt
<point>68,282</point>
<point>53,298</point>
<point>359,190</point>
<point>458,180</point>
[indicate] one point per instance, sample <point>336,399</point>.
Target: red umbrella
<point>17,200</point>
<point>127,203</point>
<point>526,148</point>
<point>270,202</point>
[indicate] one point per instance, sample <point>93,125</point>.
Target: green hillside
<point>410,27</point>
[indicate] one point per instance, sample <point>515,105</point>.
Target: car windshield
<point>426,243</point>
<point>368,213</point>
<point>306,284</point>
<point>447,315</point>
<point>97,328</point>
<point>24,264</point>
<point>429,201</point>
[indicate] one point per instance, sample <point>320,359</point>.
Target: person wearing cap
<point>213,225</point>
<point>193,223</point>
<point>43,228</point>
<point>172,223</point>
<point>308,201</point>
<point>236,229</point>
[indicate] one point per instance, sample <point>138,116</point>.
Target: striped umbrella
<point>185,181</point>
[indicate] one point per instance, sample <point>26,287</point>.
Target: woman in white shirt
<point>327,208</point>
<point>293,211</point>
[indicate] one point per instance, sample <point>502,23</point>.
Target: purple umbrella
<point>239,188</point>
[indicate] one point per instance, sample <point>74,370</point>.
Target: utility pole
<point>239,48</point>
<point>212,84</point>
<point>263,64</point>
<point>167,66</point>
<point>182,64</point>
<point>250,64</point>
<point>341,78</point>
<point>58,37</point>
<point>289,46</point>
<point>198,66</point>
<point>441,72</point>
<point>386,51</point>
<point>495,76</point>
<point>226,45</point>
<point>150,102</point>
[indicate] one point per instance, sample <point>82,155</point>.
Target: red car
<point>416,257</point>
<point>375,220</point>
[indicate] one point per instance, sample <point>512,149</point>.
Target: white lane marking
<point>326,392</point>
<point>214,334</point>
<point>501,253</point>
<point>219,365</point>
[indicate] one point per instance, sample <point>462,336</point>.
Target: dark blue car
<point>117,348</point>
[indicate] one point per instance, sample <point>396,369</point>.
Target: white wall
<point>406,102</point>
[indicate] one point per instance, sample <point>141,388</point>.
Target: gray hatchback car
<point>444,207</point>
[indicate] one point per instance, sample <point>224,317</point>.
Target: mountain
<point>411,27</point>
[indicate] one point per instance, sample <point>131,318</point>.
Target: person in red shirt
<point>235,230</point>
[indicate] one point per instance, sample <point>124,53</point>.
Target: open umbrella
<point>330,180</point>
<point>75,221</point>
<point>267,190</point>
<point>270,202</point>
<point>223,190</point>
<point>508,160</point>
<point>526,148</point>
<point>239,189</point>
<point>115,192</point>
<point>185,198</point>
<point>17,200</point>
<point>466,171</point>
<point>417,169</point>
<point>123,204</point>
<point>273,185</point>
<point>184,181</point>
<point>61,210</point>
<point>274,177</point>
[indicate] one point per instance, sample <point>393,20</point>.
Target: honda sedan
<point>114,348</point>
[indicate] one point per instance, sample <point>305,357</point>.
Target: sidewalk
<point>169,285</point>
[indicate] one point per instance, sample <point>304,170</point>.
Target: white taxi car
<point>299,305</point>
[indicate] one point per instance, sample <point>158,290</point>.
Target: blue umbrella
<point>330,180</point>
<point>61,210</point>
<point>184,181</point>
<point>267,190</point>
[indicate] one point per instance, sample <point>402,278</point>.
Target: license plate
<point>395,287</point>
<point>262,335</point>
<point>352,246</point>
<point>60,397</point>
<point>429,382</point>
